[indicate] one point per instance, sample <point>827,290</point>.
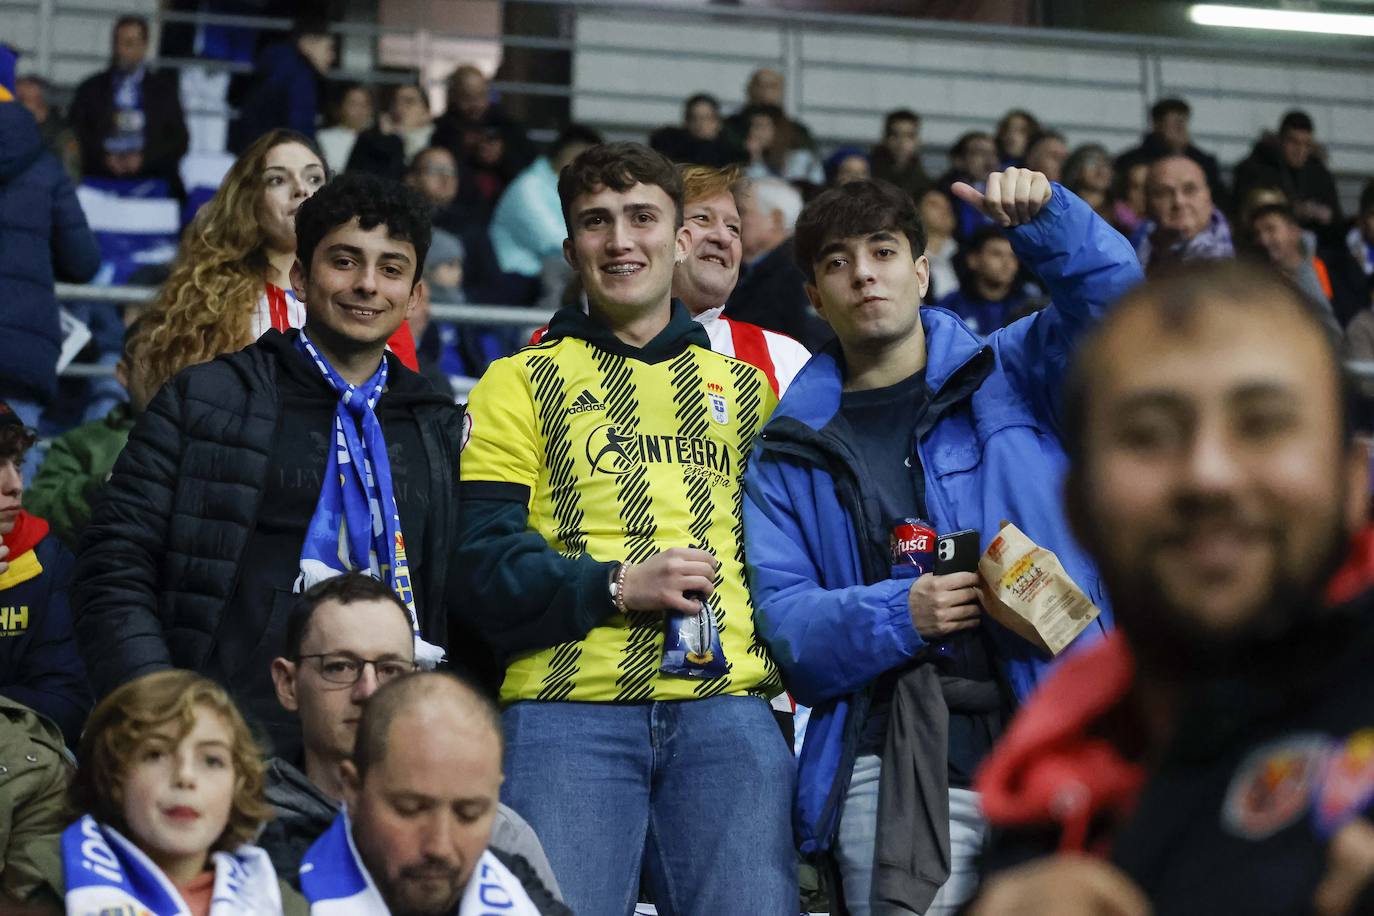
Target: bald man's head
<point>423,789</point>
<point>1178,197</point>
<point>441,698</point>
<point>1213,470</point>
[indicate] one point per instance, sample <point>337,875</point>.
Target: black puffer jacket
<point>186,564</point>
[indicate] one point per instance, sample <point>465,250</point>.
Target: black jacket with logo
<point>194,547</point>
<point>1262,771</point>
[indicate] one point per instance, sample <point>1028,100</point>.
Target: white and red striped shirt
<point>777,355</point>
<point>279,308</point>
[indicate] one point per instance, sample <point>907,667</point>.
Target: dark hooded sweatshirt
<point>544,598</point>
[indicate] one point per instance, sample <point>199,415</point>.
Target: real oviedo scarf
<point>337,883</point>
<point>356,525</point>
<point>106,873</point>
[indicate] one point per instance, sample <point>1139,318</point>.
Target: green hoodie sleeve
<point>74,470</point>
<point>520,593</point>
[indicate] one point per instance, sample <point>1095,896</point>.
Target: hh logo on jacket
<point>14,620</point>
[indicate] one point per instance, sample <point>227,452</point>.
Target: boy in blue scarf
<point>305,455</point>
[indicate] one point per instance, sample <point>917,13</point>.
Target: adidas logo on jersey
<point>586,402</point>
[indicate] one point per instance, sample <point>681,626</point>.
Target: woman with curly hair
<point>231,280</point>
<point>168,796</point>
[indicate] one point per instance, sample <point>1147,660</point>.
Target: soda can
<point>912,548</point>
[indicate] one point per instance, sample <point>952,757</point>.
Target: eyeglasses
<point>345,669</point>
<point>438,171</point>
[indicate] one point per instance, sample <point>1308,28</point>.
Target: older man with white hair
<point>771,292</point>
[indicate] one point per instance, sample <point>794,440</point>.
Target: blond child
<point>168,795</point>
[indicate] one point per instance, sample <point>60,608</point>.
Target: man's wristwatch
<point>615,576</point>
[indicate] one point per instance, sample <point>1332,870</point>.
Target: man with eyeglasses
<point>345,638</point>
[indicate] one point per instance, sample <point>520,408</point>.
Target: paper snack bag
<point>1028,592</point>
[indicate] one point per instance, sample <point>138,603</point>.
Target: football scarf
<point>106,873</point>
<point>356,525</point>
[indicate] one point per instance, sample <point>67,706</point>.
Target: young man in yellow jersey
<point>602,506</point>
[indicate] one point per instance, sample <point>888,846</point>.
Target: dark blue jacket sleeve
<point>829,642</point>
<point>48,677</point>
<point>75,253</point>
<point>1086,265</point>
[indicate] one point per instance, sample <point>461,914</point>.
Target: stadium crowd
<point>701,584</point>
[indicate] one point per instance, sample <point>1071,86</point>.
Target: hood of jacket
<point>680,333</point>
<point>294,796</point>
<point>952,351</point>
<point>20,141</point>
<point>1055,765</point>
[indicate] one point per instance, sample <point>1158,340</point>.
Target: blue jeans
<point>697,793</point>
<point>854,851</point>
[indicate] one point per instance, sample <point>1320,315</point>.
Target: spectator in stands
<point>486,141</point>
<point>351,116</point>
<point>989,297</point>
<point>229,492</point>
<point>33,93</point>
<point>1046,152</point>
<point>422,788</point>
<point>1130,202</point>
<point>776,149</point>
<point>1294,253</point>
<point>846,164</point>
<point>43,238</point>
<point>169,796</point>
<point>1359,241</point>
<point>231,282</point>
<point>770,291</point>
<point>1216,475</point>
<point>80,460</point>
<point>898,158</point>
<point>1013,133</point>
<point>131,98</point>
<point>1291,163</point>
<point>527,228</point>
<point>582,629</point>
<point>767,87</point>
<point>436,175</point>
<point>33,799</point>
<point>1088,173</point>
<point>1169,136</point>
<point>345,638</point>
<point>39,665</point>
<point>915,416</point>
<point>453,356</point>
<point>1184,225</point>
<point>699,140</point>
<point>284,92</point>
<point>706,277</point>
<point>937,216</point>
<point>402,133</point>
<point>972,158</point>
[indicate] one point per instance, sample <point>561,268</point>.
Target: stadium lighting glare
<point>1243,17</point>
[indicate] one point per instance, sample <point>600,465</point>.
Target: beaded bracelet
<point>619,599</point>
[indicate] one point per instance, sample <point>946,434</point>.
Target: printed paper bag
<point>1028,592</point>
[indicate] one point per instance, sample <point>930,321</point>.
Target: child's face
<point>177,796</point>
<point>447,273</point>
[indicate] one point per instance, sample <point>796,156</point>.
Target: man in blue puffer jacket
<point>42,232</point>
<point>912,414</point>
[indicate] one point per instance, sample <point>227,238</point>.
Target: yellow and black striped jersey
<point>624,459</point>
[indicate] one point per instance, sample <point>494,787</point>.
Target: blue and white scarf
<point>105,873</point>
<point>356,525</point>
<point>335,881</point>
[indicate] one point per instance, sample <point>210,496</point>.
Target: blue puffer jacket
<point>990,451</point>
<point>41,228</point>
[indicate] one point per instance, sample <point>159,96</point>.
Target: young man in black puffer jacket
<point>232,495</point>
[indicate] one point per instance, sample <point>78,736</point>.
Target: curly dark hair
<point>15,441</point>
<point>373,201</point>
<point>858,208</point>
<point>618,166</point>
